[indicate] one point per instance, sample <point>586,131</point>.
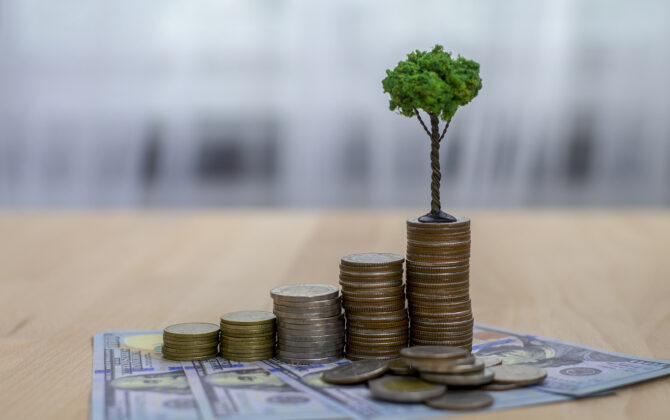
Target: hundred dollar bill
<point>275,390</point>
<point>132,381</point>
<point>573,369</point>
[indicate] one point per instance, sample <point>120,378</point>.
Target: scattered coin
<point>518,374</point>
<point>400,367</point>
<point>355,372</point>
<point>461,400</point>
<point>459,379</point>
<point>405,389</point>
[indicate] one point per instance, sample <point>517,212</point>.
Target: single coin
<point>372,259</point>
<point>455,367</point>
<point>361,342</point>
<point>323,312</point>
<point>208,342</point>
<point>460,222</point>
<point>304,292</point>
<point>461,400</point>
<point>312,322</point>
<point>248,317</point>
<point>312,305</point>
<point>355,372</point>
<point>308,354</point>
<point>355,357</point>
<point>306,361</point>
<point>189,358</point>
<point>518,374</point>
<point>490,360</point>
<point>172,353</point>
<point>459,379</point>
<point>190,347</point>
<point>404,389</point>
<point>316,316</point>
<point>256,329</point>
<point>192,330</point>
<point>400,367</point>
<point>247,359</point>
<point>433,352</point>
<point>351,285</point>
<point>493,386</point>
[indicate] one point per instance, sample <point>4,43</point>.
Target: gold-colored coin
<point>247,359</point>
<point>207,342</point>
<point>247,318</point>
<point>189,358</point>
<point>405,389</point>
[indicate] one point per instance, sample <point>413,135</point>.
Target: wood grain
<point>593,277</point>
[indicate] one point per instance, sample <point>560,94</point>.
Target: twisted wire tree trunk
<point>436,214</point>
<point>436,177</point>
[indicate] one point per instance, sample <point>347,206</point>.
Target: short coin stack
<point>373,296</point>
<point>438,256</point>
<point>310,324</point>
<point>452,366</point>
<point>191,341</point>
<point>247,336</point>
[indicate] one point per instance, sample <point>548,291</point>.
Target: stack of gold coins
<point>191,341</point>
<point>310,325</point>
<point>373,296</point>
<point>438,261</point>
<point>247,336</point>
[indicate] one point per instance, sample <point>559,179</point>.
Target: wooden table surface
<point>597,278</point>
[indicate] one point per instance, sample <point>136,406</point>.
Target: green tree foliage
<point>432,81</point>
<point>438,84</point>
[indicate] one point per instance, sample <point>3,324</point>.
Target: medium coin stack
<point>310,324</point>
<point>373,296</point>
<point>247,336</point>
<point>438,269</point>
<point>191,341</point>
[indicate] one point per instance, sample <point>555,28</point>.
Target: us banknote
<point>274,390</point>
<point>132,381</point>
<point>573,369</point>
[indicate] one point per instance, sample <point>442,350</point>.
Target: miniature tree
<point>437,84</point>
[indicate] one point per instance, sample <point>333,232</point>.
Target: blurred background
<point>279,103</point>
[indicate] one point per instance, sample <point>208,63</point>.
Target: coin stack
<point>373,296</point>
<point>310,324</point>
<point>453,366</point>
<point>247,336</point>
<point>191,341</point>
<point>438,256</point>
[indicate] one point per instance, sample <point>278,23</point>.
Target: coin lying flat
<point>461,400</point>
<point>192,330</point>
<point>518,374</point>
<point>248,317</point>
<point>406,389</point>
<point>459,379</point>
<point>372,259</point>
<point>490,360</point>
<point>500,387</point>
<point>355,372</point>
<point>400,367</point>
<point>304,292</point>
<point>465,365</point>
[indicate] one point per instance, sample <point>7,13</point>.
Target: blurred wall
<point>199,103</point>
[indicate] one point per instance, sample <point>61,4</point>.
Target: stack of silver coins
<point>373,296</point>
<point>310,324</point>
<point>438,285</point>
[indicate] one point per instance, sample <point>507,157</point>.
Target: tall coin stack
<point>191,341</point>
<point>247,336</point>
<point>438,268</point>
<point>373,296</point>
<point>310,324</point>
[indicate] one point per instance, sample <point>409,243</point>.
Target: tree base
<point>437,217</point>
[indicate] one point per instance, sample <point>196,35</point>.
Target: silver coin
<point>490,360</point>
<point>323,311</point>
<point>406,389</point>
<point>311,315</point>
<point>400,367</point>
<point>304,292</point>
<point>283,336</point>
<point>518,374</point>
<point>461,400</point>
<point>466,365</point>
<point>317,349</point>
<point>308,361</point>
<point>355,372</point>
<point>372,259</point>
<point>460,379</point>
<point>314,322</point>
<point>309,354</point>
